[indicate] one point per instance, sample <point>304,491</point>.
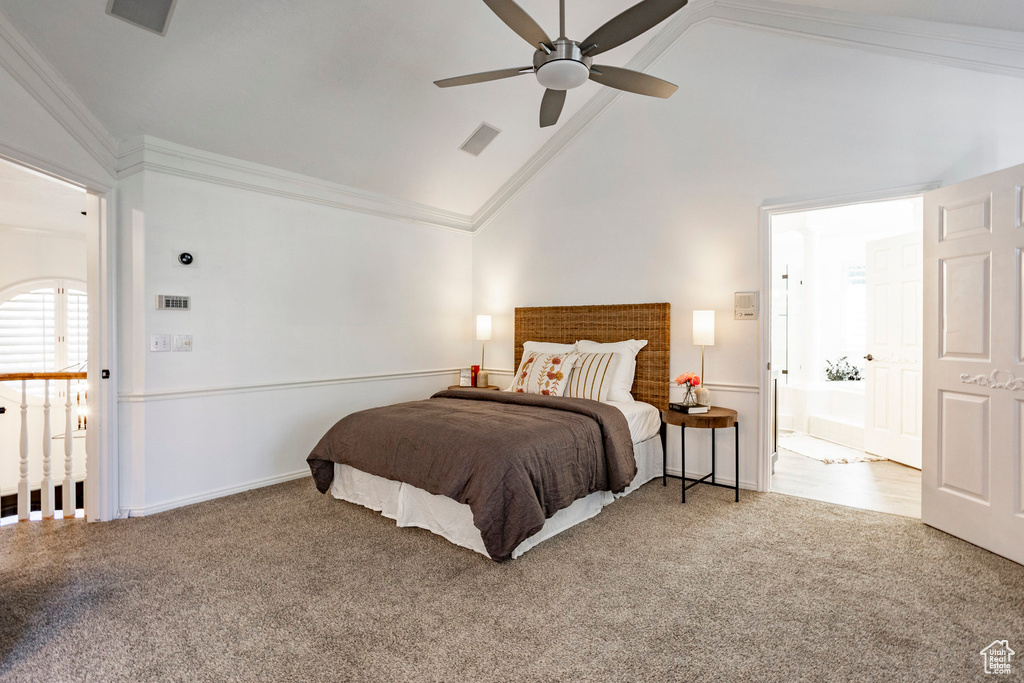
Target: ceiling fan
<point>565,64</point>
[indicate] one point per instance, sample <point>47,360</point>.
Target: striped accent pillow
<point>591,376</point>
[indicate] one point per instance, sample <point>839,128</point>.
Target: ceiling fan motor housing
<point>563,68</point>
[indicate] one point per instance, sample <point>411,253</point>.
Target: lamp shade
<point>483,328</point>
<point>704,328</point>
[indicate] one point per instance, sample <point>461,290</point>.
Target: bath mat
<point>825,451</point>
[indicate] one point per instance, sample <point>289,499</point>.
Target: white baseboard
<point>210,495</point>
<point>745,485</point>
<point>304,472</point>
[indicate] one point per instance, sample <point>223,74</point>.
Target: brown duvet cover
<point>515,459</point>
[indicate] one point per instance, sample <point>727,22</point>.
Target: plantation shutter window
<point>44,328</point>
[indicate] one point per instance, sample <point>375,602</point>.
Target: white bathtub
<point>833,411</point>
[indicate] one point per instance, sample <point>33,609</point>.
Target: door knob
<point>869,357</point>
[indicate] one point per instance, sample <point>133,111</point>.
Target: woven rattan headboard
<point>569,324</point>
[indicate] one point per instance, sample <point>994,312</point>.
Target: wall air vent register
<point>152,15</point>
<point>481,137</point>
<point>165,302</point>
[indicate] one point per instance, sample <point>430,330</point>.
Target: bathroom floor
<point>883,486</point>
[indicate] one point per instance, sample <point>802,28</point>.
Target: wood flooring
<point>884,486</point>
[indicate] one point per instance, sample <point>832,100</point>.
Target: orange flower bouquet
<point>690,380</point>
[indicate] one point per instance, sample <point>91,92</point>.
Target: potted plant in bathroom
<point>842,371</point>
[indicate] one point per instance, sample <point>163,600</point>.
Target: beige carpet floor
<point>283,584</point>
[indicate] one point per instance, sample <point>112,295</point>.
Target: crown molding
<point>966,47</point>
<point>956,45</point>
<point>152,154</point>
<point>19,58</point>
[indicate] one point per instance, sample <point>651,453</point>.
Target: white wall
<point>659,200</point>
<point>28,256</point>
<point>284,292</point>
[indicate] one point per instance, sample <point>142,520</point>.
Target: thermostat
<point>745,306</point>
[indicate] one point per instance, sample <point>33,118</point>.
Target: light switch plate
<point>183,342</point>
<point>160,342</point>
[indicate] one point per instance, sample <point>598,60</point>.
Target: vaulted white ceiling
<point>343,91</point>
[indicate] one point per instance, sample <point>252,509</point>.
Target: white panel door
<point>892,406</point>
<point>973,461</point>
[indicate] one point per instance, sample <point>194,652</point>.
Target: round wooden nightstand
<point>715,418</point>
<point>492,387</point>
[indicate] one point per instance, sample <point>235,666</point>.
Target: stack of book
<point>689,410</point>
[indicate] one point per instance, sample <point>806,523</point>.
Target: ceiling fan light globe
<point>563,74</point>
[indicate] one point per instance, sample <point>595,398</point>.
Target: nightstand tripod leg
<point>682,453</point>
<point>737,427</point>
<point>664,454</point>
<point>713,458</point>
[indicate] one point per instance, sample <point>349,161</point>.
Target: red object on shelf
<point>476,371</point>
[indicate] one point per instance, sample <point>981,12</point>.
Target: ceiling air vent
<point>152,15</point>
<point>173,303</point>
<point>483,136</point>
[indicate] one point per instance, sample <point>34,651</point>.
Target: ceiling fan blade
<point>516,18</point>
<point>551,107</point>
<point>483,77</point>
<point>623,28</point>
<point>631,81</point>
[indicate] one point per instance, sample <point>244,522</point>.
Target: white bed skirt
<point>412,506</point>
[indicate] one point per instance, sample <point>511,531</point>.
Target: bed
<point>387,451</point>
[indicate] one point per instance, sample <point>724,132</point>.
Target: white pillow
<point>547,347</point>
<point>543,373</point>
<point>625,369</point>
<point>540,347</point>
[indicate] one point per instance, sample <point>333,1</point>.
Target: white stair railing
<point>47,497</point>
<point>68,489</point>
<point>46,488</point>
<point>24,502</point>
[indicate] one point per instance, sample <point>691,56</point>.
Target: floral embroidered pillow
<point>543,373</point>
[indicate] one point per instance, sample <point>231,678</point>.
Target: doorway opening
<point>46,317</point>
<point>845,353</point>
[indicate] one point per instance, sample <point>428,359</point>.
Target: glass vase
<point>690,397</point>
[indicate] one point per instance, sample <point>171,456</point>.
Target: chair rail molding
<point>146,397</point>
<point>726,387</point>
